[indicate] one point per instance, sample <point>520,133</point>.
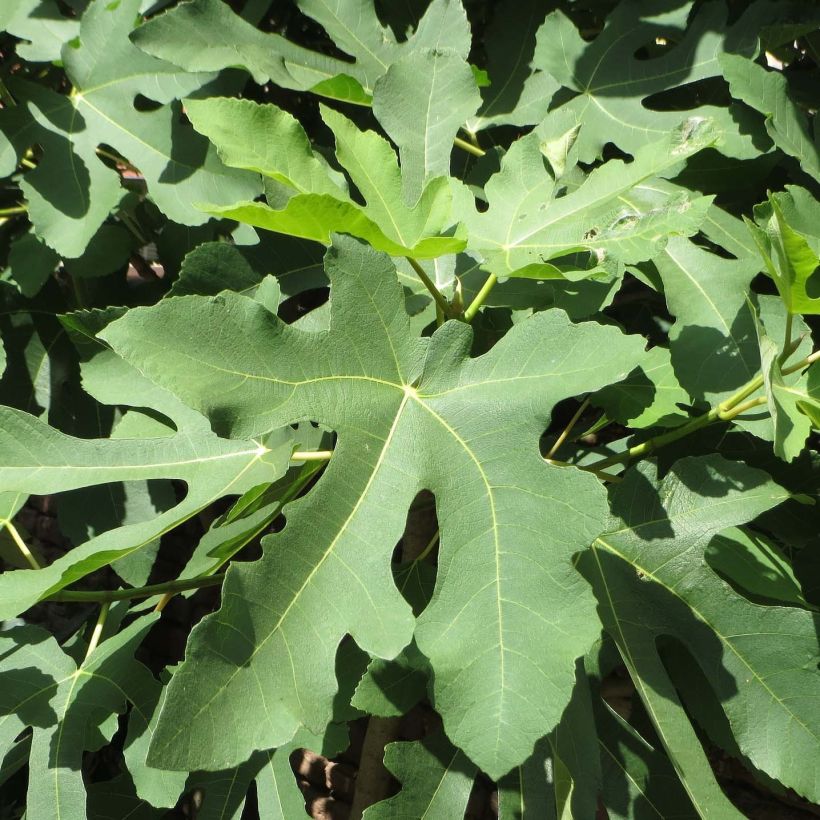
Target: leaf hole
<point>813,284</point>
<point>146,105</point>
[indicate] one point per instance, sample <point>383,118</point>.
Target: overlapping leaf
<point>36,458</point>
<point>767,92</point>
<point>436,781</point>
<point>407,417</point>
<point>529,221</point>
<point>712,343</point>
<point>788,256</point>
<point>69,706</point>
<point>316,203</point>
<point>519,93</point>
<point>612,83</point>
<point>71,192</point>
<point>651,580</point>
<point>206,35</point>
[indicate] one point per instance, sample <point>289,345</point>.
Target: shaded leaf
<point>768,92</point>
<point>612,84</point>
<point>436,781</point>
<point>712,343</point>
<point>421,102</point>
<point>651,580</point>
<point>649,396</point>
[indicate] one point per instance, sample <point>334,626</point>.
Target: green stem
<point>21,545</point>
<point>652,444</point>
<point>311,455</point>
<point>131,225</point>
<point>98,628</point>
<point>471,136</point>
<point>568,429</point>
<point>468,147</point>
<point>17,209</point>
<point>725,411</point>
<point>108,595</point>
<point>78,289</point>
<point>787,340</point>
<point>600,424</point>
<point>803,363</point>
<point>429,548</point>
<point>442,303</point>
<point>471,311</point>
<point>594,470</point>
<point>5,95</point>
<point>742,408</point>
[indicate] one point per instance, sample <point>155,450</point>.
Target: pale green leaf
<point>528,223</point>
<point>267,140</point>
<point>400,415</point>
<point>386,221</point>
<point>421,102</point>
<point>790,259</point>
<point>372,166</point>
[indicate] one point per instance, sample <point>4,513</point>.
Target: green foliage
<point>271,275</point>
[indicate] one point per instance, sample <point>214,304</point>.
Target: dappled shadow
<point>637,613</point>
<point>188,149</point>
<point>637,504</point>
<point>25,689</point>
<point>708,361</point>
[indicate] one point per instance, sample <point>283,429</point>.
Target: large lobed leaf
<point>408,415</point>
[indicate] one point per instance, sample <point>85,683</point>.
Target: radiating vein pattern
<point>409,414</point>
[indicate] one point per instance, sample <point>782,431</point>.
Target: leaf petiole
<point>441,301</point>
<point>93,596</point>
<point>314,455</point>
<point>21,545</point>
<point>568,429</point>
<point>725,411</point>
<point>98,628</point>
<point>469,147</point>
<point>471,311</point>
